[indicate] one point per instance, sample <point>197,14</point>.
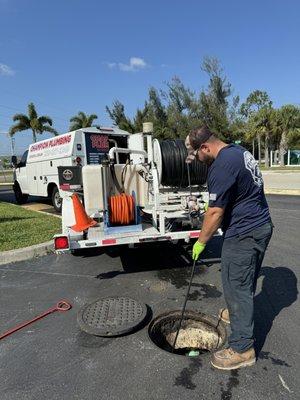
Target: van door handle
<point>34,178</point>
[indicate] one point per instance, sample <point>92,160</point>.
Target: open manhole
<point>199,332</point>
<point>112,316</point>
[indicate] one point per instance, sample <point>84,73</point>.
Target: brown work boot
<point>229,359</point>
<point>224,315</point>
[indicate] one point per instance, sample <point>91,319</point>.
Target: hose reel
<point>170,156</point>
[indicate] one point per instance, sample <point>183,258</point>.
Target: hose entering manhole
<point>199,333</point>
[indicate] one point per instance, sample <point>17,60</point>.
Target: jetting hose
<point>121,209</point>
<point>174,153</point>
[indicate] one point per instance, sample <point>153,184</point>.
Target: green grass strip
<point>21,228</point>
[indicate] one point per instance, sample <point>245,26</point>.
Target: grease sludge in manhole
<point>199,332</point>
<point>112,316</point>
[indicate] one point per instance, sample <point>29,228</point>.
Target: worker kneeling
<point>238,205</point>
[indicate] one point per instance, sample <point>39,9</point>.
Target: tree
<point>38,125</point>
<point>263,123</point>
<point>256,101</point>
<point>213,103</point>
<point>82,120</point>
<point>289,123</point>
<point>181,109</point>
<point>157,113</point>
<point>117,115</point>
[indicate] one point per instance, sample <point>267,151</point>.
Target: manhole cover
<point>111,316</point>
<point>199,332</point>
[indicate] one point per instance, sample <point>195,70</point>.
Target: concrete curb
<point>288,192</point>
<point>26,253</point>
<point>6,183</point>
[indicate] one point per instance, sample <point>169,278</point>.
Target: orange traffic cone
<point>83,221</point>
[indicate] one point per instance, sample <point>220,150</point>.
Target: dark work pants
<point>242,257</point>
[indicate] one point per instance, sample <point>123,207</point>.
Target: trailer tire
<point>56,199</point>
<point>21,198</point>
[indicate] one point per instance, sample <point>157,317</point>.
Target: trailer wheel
<point>56,199</point>
<point>20,197</point>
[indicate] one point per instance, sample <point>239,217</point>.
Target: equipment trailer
<point>134,191</point>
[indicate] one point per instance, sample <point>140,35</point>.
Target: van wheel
<point>20,197</point>
<point>56,199</point>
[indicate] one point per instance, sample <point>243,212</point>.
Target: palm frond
<point>44,119</point>
<point>49,129</point>
<point>76,119</point>
<point>32,111</point>
<point>82,115</point>
<point>75,126</point>
<point>22,118</point>
<point>90,119</point>
<point>18,128</point>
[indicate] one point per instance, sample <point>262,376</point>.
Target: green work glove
<point>198,249</point>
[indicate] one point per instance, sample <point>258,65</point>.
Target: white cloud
<point>111,64</point>
<point>135,64</point>
<point>6,70</point>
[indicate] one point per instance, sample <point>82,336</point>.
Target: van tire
<point>56,199</point>
<point>21,198</point>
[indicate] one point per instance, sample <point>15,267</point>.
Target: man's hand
<point>198,249</point>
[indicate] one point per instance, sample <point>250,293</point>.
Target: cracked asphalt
<point>53,359</point>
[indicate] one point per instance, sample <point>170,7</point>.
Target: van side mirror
<point>14,161</point>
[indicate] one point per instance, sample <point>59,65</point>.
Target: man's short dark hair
<point>199,136</point>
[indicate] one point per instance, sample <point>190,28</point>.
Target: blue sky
<point>67,56</point>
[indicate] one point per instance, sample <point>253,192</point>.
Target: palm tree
<point>38,125</point>
<point>82,120</point>
<point>263,124</point>
<point>289,120</point>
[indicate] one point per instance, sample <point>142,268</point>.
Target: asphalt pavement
<point>53,359</point>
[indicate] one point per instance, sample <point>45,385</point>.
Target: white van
<point>37,173</point>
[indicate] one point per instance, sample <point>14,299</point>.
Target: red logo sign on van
<point>99,142</point>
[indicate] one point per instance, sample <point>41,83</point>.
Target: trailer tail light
<point>194,234</point>
<point>61,243</point>
<point>108,241</point>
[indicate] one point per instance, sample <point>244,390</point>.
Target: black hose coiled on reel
<point>174,168</point>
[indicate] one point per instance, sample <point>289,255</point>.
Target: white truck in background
<point>37,172</point>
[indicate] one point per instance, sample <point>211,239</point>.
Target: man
<point>238,205</point>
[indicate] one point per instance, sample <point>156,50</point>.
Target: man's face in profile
<point>202,154</point>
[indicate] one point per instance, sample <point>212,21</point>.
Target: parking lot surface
<point>52,359</point>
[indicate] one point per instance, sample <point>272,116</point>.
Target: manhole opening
<point>200,333</point>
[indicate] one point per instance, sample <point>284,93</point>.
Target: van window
<point>22,163</point>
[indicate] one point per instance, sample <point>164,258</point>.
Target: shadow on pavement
<point>157,257</point>
<point>279,291</point>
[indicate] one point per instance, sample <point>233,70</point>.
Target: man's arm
<point>212,221</point>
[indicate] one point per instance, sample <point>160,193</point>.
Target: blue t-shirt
<point>235,183</point>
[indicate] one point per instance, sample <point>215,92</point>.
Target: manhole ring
<point>111,316</point>
<point>200,333</point>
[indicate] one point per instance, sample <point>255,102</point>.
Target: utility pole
<point>12,144</point>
